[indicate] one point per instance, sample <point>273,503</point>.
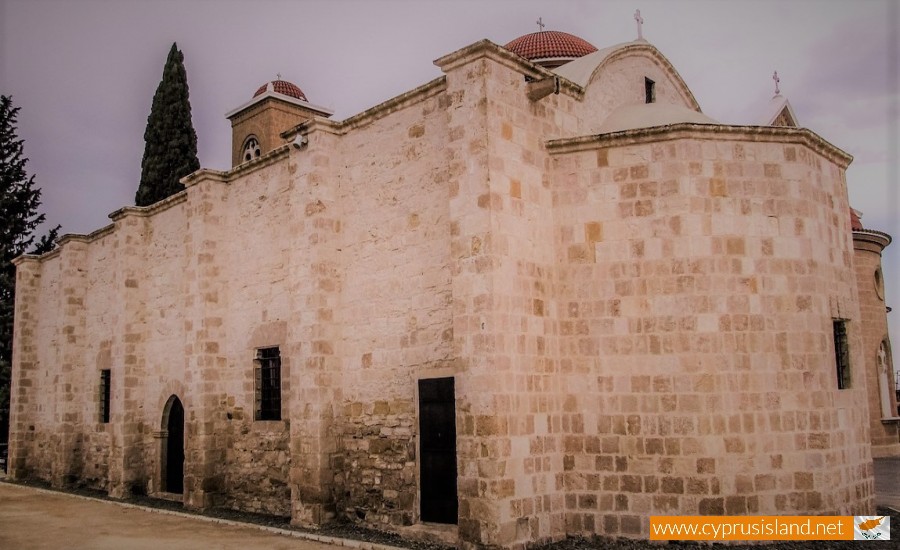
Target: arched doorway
<point>172,452</point>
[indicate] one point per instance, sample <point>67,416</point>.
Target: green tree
<point>19,202</point>
<point>170,143</point>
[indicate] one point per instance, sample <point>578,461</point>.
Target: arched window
<point>250,149</point>
<point>879,283</point>
<point>883,368</point>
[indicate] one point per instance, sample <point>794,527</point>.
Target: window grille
<point>268,384</point>
<point>104,395</point>
<point>841,353</point>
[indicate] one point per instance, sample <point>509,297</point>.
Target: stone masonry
<point>637,321</point>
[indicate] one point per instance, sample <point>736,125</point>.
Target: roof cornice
<point>271,94</point>
<point>485,49</point>
<point>869,239</point>
<point>687,130</point>
<point>402,101</point>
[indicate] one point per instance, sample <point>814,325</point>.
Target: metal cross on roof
<point>278,76</point>
<point>640,22</point>
<point>777,80</point>
<point>540,23</point>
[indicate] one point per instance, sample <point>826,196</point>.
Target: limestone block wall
<point>99,311</point>
<point>394,316</point>
<point>873,315</point>
<point>516,402</point>
<point>700,278</point>
<point>253,260</point>
<point>30,413</point>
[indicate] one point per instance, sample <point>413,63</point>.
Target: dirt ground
<point>30,519</point>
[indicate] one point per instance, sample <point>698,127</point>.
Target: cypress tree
<point>170,143</point>
<point>19,202</point>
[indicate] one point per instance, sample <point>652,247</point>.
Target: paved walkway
<point>35,519</point>
<point>887,482</point>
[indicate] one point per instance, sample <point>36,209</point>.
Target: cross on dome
<point>540,24</point>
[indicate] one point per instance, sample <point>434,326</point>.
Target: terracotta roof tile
<point>550,44</point>
<point>283,87</point>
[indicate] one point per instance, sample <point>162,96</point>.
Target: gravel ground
<point>356,532</point>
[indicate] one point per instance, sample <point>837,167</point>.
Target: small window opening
<point>841,353</point>
<point>251,149</point>
<point>879,284</point>
<point>649,91</point>
<point>268,384</point>
<point>104,395</point>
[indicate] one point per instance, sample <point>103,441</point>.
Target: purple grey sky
<point>84,73</point>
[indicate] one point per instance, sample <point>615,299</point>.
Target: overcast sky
<point>84,73</point>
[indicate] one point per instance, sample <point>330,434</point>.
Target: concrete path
<point>34,519</point>
<point>887,482</point>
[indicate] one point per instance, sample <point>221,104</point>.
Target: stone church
<point>541,295</point>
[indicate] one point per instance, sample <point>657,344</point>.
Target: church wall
<point>395,315</point>
<point>32,450</point>
<point>254,260</point>
<point>516,404</point>
<point>632,327</point>
<point>700,280</point>
<point>621,82</point>
<point>158,311</point>
<point>884,435</point>
<point>99,313</point>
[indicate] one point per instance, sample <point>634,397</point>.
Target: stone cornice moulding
<point>144,211</point>
<point>871,240</point>
<point>35,258</point>
<point>689,130</point>
<point>397,103</point>
<point>226,177</point>
<point>280,97</point>
<point>485,49</point>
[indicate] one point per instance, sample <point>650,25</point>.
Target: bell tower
<point>256,126</point>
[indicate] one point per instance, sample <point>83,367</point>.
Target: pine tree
<point>170,143</point>
<point>19,202</point>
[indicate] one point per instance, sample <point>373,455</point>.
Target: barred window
<point>268,384</point>
<point>841,353</point>
<point>104,396</point>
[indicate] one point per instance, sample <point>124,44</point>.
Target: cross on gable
<point>640,23</point>
<point>777,80</point>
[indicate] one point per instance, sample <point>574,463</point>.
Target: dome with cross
<point>550,48</point>
<point>282,87</point>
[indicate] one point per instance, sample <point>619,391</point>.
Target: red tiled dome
<point>550,44</point>
<point>855,222</point>
<point>283,87</point>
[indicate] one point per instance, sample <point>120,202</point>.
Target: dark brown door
<point>175,448</point>
<point>437,436</point>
